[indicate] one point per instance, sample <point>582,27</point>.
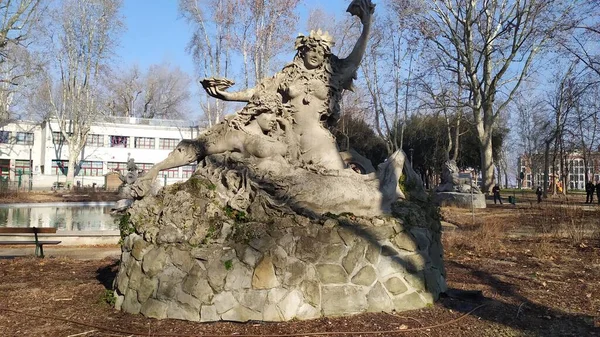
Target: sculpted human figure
<point>312,85</point>
<point>287,115</point>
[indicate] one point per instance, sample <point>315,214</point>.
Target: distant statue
<point>132,173</point>
<point>287,116</point>
<point>451,182</point>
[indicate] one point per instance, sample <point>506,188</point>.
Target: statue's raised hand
<point>364,9</point>
<point>215,86</point>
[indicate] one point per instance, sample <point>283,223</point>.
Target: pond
<point>84,216</point>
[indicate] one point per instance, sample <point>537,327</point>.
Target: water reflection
<point>62,217</point>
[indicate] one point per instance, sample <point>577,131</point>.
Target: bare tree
<point>388,70</point>
<point>83,35</point>
<point>124,87</point>
<point>210,45</point>
<point>257,30</point>
<point>18,20</point>
<point>165,93</point>
<point>495,43</point>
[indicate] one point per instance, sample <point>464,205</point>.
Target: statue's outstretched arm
<point>364,9</point>
<point>215,87</point>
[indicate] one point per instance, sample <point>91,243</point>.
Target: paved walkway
<point>79,253</point>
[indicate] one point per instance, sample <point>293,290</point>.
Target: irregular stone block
<point>343,300</point>
<point>182,259</point>
<point>154,309</point>
<point>405,241</point>
<point>208,313</point>
<point>264,275</point>
<point>275,295</point>
<point>416,280</point>
<point>131,303</point>
<point>365,276</point>
<point>224,302</point>
<point>331,274</point>
<point>307,311</point>
<point>122,282</point>
<point>378,299</point>
<point>347,234</point>
<point>354,256</point>
<point>271,313</point>
<point>389,265</point>
<point>146,288</point>
<point>251,256</point>
<point>262,243</point>
<point>136,275</point>
<point>169,282</point>
<point>187,299</point>
<point>333,253</point>
<point>140,248</point>
<point>216,272</point>
<point>253,299</point>
<point>182,311</point>
<point>290,304</point>
<point>395,286</point>
<point>197,286</point>
<point>154,261</point>
<point>311,291</point>
<point>329,236</point>
<point>373,252</point>
<point>295,272</point>
<point>239,277</point>
<point>409,301</point>
<point>241,314</point>
<point>308,249</point>
<point>380,233</point>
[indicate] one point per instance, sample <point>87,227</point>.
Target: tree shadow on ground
<point>522,314</point>
<point>106,275</point>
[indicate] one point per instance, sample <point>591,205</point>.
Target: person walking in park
<point>496,192</point>
<point>539,193</point>
<point>598,191</point>
<point>589,191</point>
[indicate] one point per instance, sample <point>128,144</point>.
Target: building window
<point>119,141</point>
<point>22,167</point>
<point>187,171</point>
<point>167,143</point>
<point>144,167</point>
<point>170,173</point>
<point>60,167</point>
<point>115,166</point>
<point>24,138</point>
<point>90,168</point>
<point>4,167</point>
<point>58,138</point>
<point>144,143</point>
<point>95,140</point>
<point>4,137</point>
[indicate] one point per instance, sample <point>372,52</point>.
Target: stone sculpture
<point>273,225</point>
<point>454,191</point>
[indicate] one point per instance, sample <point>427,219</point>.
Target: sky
<point>155,33</point>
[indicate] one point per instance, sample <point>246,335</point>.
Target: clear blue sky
<point>155,32</point>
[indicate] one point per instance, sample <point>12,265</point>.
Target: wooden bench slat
<point>6,243</point>
<point>27,230</point>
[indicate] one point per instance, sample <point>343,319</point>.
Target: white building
<point>37,151</point>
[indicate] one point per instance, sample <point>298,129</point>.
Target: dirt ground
<point>541,282</point>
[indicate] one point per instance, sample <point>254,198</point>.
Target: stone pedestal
<point>462,200</point>
<point>189,257</point>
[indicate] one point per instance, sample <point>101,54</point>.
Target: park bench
<point>39,245</point>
